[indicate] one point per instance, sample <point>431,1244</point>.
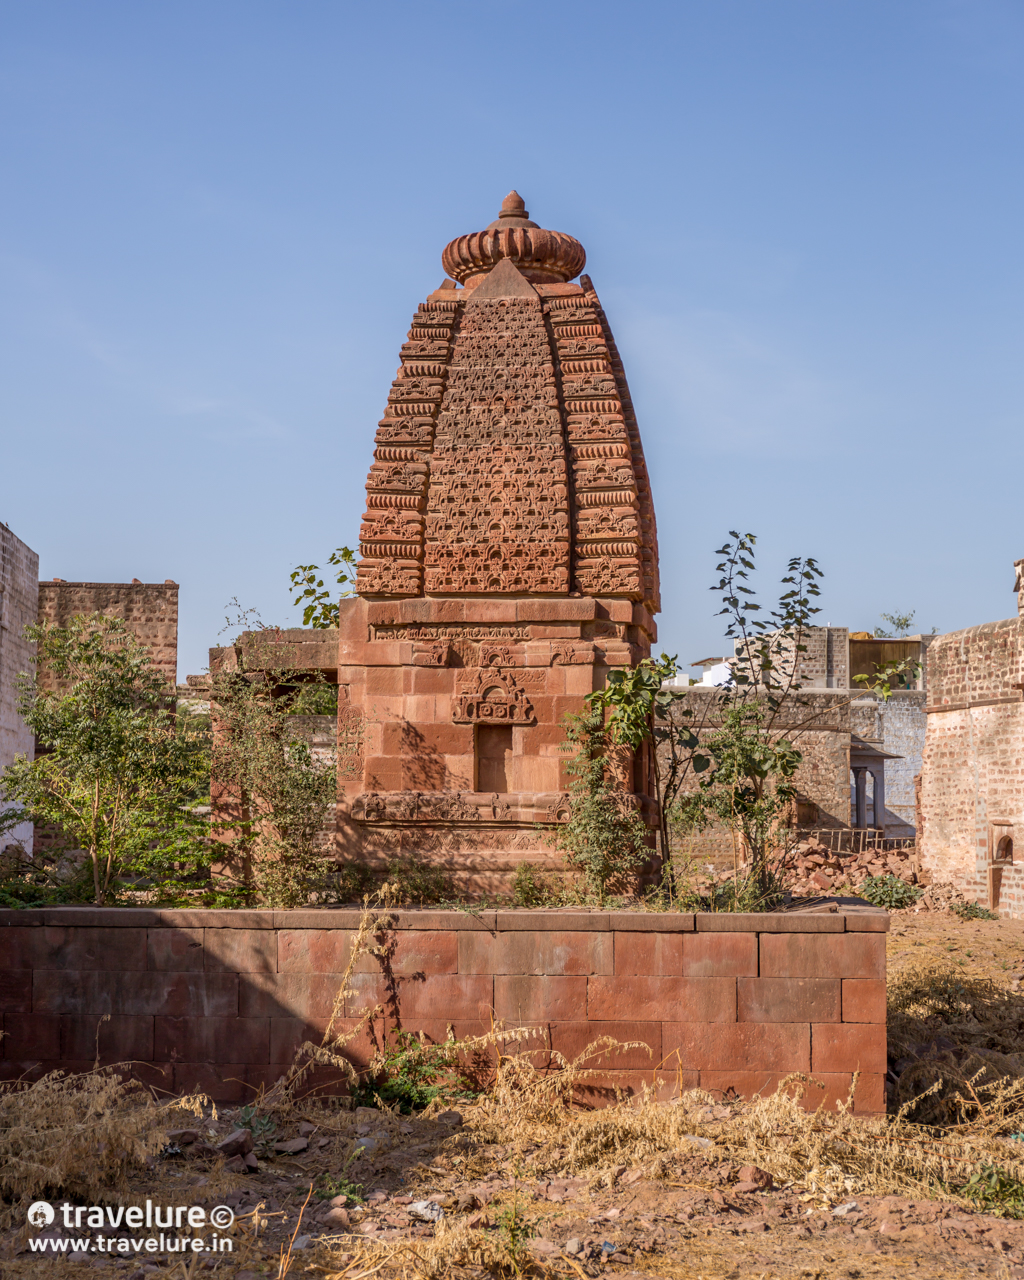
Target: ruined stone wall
<point>19,591</point>
<point>220,1001</point>
<point>150,609</point>
<point>818,723</point>
<point>973,762</point>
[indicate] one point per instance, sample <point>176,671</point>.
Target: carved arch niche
<point>493,697</point>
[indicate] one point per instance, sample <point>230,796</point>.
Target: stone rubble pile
<point>811,869</point>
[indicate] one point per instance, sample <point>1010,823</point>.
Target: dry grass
<point>83,1135</point>
<point>89,1136</point>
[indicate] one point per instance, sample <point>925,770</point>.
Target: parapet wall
<point>221,1000</point>
<point>150,610</point>
<point>19,602</point>
<point>971,792</point>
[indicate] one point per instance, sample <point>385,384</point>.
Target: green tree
<point>118,775</point>
<point>273,792</point>
<point>640,710</point>
<point>900,623</point>
<point>320,610</point>
<point>604,838</point>
<point>737,762</point>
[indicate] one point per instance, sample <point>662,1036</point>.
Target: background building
<point>19,606</point>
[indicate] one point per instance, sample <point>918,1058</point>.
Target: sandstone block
<point>122,1038</point>
<point>240,951</point>
<point>31,1035</point>
<point>848,1046</point>
<point>763,922</point>
<point>310,996</point>
<point>16,991</point>
<point>863,1000</point>
<point>95,992</point>
<point>174,950</point>
<point>798,955</point>
<point>654,954</point>
<point>571,1039</point>
<point>756,1046</point>
<point>212,1039</point>
<point>313,950</point>
<point>552,952</point>
<point>724,955</point>
<point>528,999</point>
<point>656,999</point>
<point>788,999</point>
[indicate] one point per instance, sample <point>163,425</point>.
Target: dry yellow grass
<point>83,1135</point>
<point>91,1136</point>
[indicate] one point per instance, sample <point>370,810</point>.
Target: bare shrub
<point>81,1135</point>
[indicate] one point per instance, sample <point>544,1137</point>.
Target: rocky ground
<point>441,1196</point>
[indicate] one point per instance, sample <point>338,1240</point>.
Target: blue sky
<point>805,220</point>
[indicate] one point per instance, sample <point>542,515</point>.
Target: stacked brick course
<point>221,1000</point>
<point>972,779</point>
<point>149,608</point>
<point>19,572</point>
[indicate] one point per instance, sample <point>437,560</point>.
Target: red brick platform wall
<point>220,1000</point>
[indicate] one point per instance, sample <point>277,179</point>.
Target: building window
<point>493,757</point>
<point>1000,841</point>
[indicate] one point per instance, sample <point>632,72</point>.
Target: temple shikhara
<point>509,558</point>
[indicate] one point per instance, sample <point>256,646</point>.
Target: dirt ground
<point>690,1213</point>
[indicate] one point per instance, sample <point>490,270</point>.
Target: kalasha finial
<point>513,206</point>
<point>542,256</point>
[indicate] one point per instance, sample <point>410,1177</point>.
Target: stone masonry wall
<point>972,777</point>
<point>19,575</point>
<point>150,609</point>
<point>221,1000</point>
<point>820,723</point>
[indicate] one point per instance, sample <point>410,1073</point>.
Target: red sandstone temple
<point>509,559</point>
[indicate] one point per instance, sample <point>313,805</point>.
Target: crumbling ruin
<point>971,797</point>
<point>861,753</point>
<point>19,574</point>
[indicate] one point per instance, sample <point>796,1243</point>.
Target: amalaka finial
<point>543,257</point>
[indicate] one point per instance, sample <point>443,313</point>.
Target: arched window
<point>1004,850</point>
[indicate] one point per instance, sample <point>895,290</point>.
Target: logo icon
<point>40,1214</point>
<point>222,1217</point>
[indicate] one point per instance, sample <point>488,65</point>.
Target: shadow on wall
<point>199,1005</point>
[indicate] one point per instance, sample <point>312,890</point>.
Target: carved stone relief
<point>492,696</point>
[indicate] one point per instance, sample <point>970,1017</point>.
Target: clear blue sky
<point>805,219</point>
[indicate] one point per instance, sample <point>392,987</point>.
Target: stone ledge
<point>767,922</point>
<point>849,917</point>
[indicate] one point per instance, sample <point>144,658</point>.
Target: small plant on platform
<point>274,791</point>
<point>262,1128</point>
<point>890,892</point>
<point>605,839</point>
<point>994,1190</point>
<point>413,879</point>
<point>409,1073</point>
<point>972,911</point>
<point>532,888</point>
